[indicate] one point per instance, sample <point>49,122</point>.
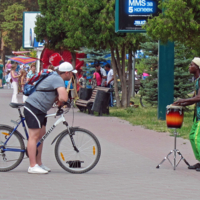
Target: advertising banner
<point>132,14</point>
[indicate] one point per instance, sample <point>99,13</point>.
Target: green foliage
<point>140,65</point>
<point>33,54</point>
<point>30,5</point>
<point>12,26</point>
<point>93,57</point>
<point>182,79</point>
<point>73,24</point>
<point>130,110</point>
<point>11,14</point>
<point>179,22</point>
<point>51,26</point>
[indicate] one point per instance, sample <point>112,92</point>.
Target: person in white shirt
<point>103,74</point>
<point>110,81</point>
<point>8,78</point>
<point>136,74</point>
<point>110,76</point>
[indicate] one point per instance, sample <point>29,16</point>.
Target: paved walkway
<point>125,171</point>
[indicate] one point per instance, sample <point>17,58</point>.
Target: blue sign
<point>139,22</point>
<point>37,44</point>
<point>141,7</point>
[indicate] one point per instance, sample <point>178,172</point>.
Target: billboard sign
<point>29,37</point>
<point>130,15</point>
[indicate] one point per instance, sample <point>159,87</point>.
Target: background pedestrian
<point>14,77</point>
<point>1,73</point>
<point>8,65</point>
<point>32,72</point>
<point>110,81</point>
<point>8,79</point>
<point>97,77</point>
<point>103,73</point>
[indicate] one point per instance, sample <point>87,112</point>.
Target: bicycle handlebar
<point>60,111</point>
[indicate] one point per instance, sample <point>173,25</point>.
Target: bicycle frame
<point>61,119</point>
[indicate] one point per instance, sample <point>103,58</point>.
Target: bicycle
<point>77,150</point>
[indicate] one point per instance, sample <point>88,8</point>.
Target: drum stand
<point>175,151</point>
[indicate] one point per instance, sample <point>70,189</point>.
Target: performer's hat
<point>196,60</point>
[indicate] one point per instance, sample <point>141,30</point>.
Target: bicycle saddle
<point>16,105</point>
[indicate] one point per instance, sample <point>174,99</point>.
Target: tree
<point>93,23</point>
<point>182,85</point>
<point>149,91</point>
<point>29,5</point>
<point>51,26</point>
<point>12,26</point>
<point>93,57</point>
<point>180,21</point>
<point>71,24</point>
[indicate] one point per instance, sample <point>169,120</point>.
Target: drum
<point>174,116</point>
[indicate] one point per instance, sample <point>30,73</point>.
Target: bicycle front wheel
<point>87,154</point>
<point>10,159</point>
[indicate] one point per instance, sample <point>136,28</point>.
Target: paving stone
<point>126,170</point>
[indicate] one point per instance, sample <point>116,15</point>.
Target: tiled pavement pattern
<point>126,169</point>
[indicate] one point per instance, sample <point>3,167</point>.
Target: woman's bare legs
<point>39,155</point>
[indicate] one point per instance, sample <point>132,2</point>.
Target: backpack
<point>31,85</point>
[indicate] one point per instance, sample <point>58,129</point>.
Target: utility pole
<point>165,78</point>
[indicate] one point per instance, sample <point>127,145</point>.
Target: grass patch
<point>147,118</point>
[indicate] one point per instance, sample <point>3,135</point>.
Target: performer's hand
<point>179,102</point>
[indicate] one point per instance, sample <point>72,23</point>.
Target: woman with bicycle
<point>35,110</point>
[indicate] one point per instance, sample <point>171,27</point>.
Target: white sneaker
<point>37,170</point>
<point>45,168</point>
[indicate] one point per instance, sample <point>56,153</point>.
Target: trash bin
<point>101,102</point>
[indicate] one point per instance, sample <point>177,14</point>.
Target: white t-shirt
<point>103,73</point>
<point>136,75</point>
<point>110,76</point>
<point>8,77</point>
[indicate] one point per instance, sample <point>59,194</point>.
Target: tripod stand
<point>175,151</point>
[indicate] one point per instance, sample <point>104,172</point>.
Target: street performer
<point>194,136</point>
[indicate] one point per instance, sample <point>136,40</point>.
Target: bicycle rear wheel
<point>78,162</point>
<point>10,159</point>
<point>144,103</point>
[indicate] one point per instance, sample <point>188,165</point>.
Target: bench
<point>84,105</point>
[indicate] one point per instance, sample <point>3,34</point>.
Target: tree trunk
<point>123,79</point>
<point>118,63</point>
<point>130,68</point>
<point>73,59</point>
<point>115,69</point>
<point>2,51</point>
